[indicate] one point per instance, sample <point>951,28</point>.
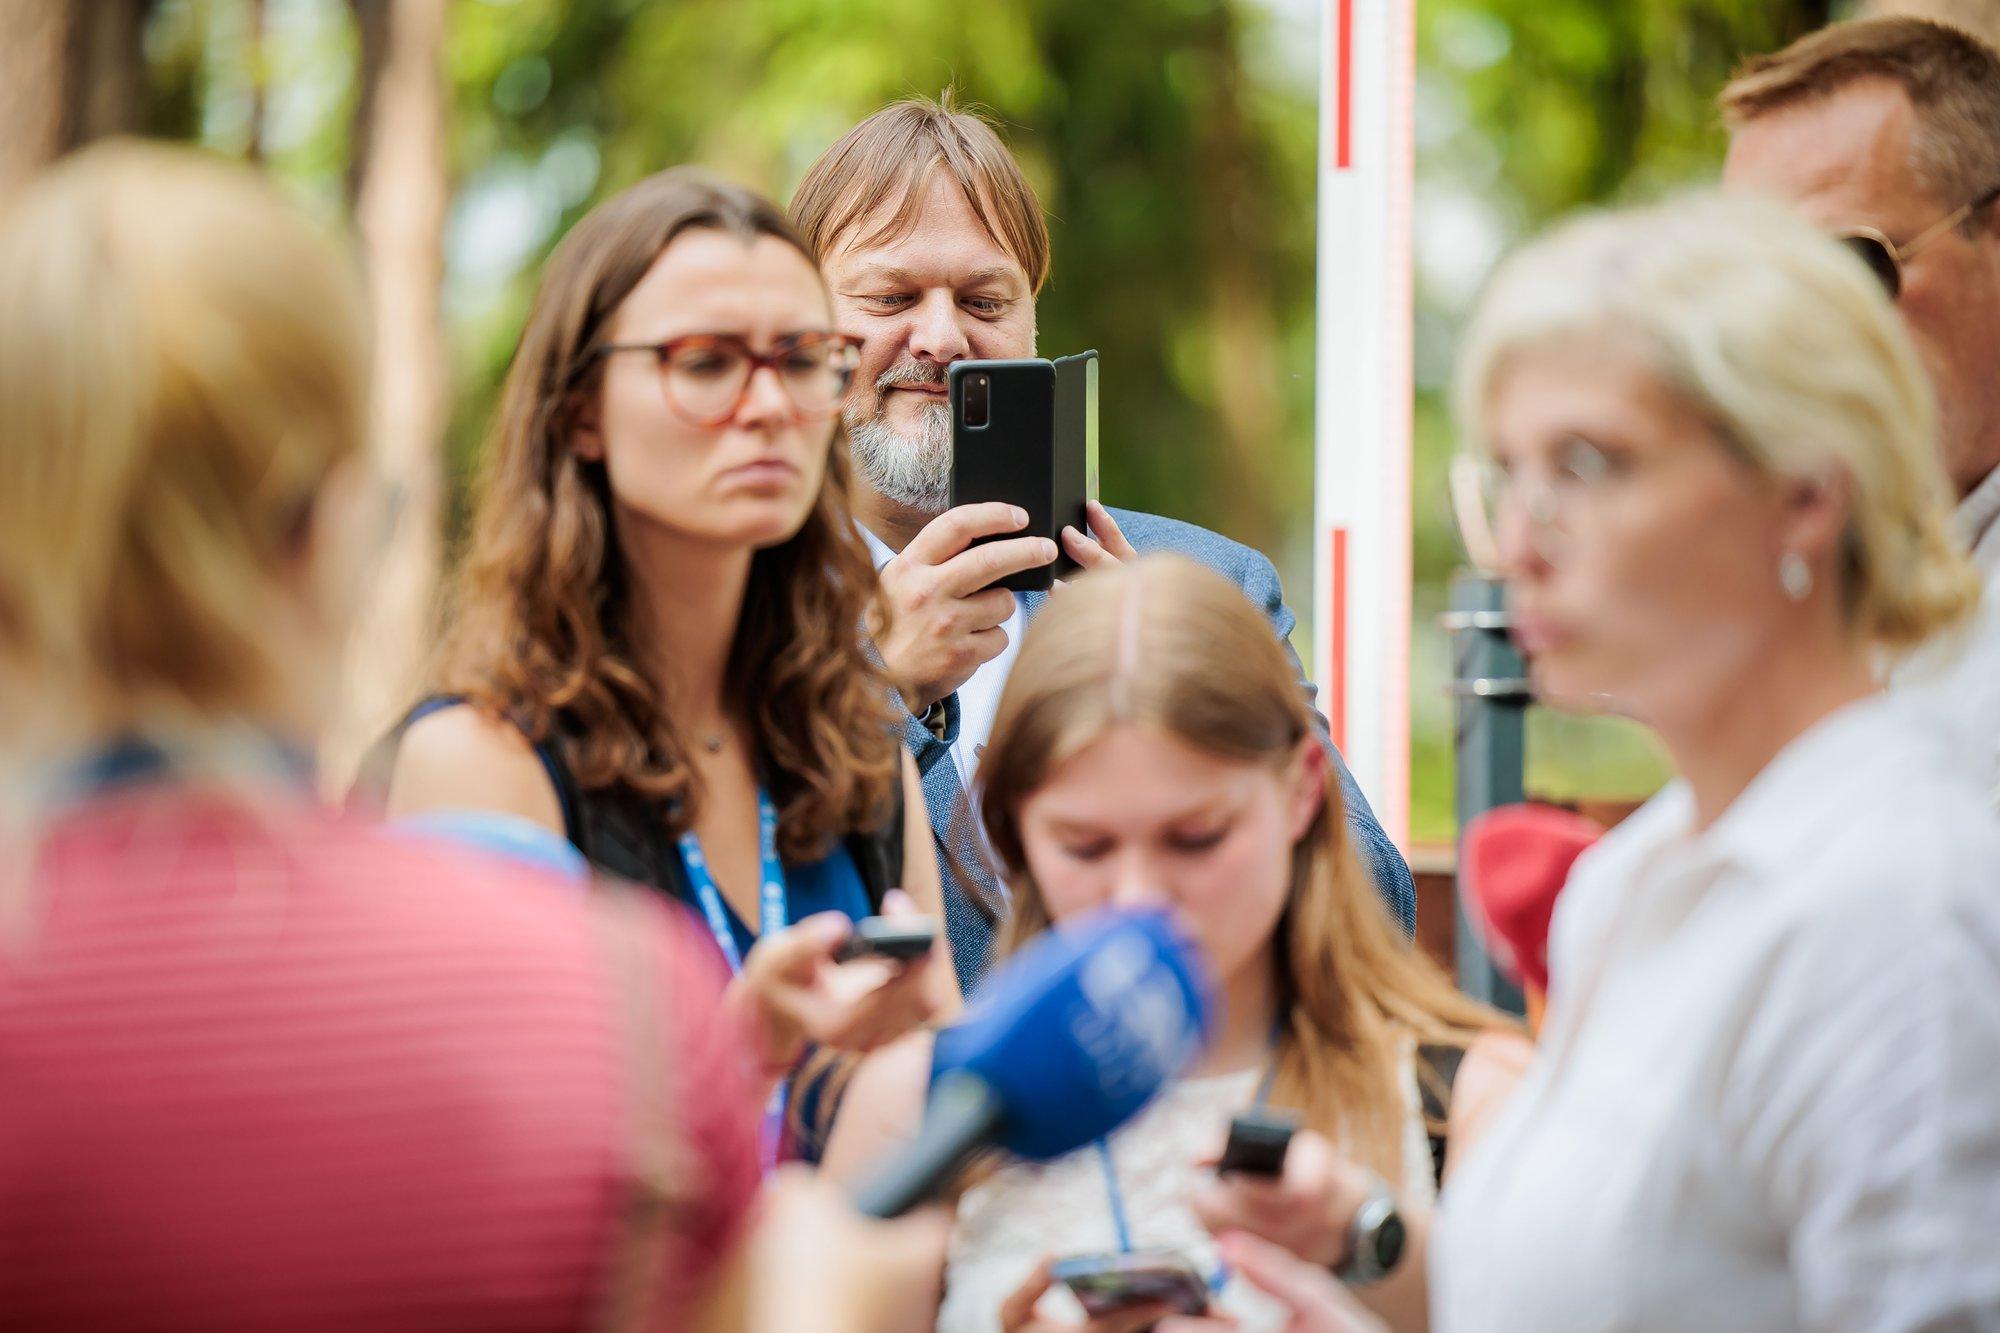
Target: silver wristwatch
<point>1376,1239</point>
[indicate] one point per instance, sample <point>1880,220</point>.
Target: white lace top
<point>1026,1210</point>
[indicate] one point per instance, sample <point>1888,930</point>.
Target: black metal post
<point>1491,694</point>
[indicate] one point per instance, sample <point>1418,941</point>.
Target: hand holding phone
<point>900,939</point>
<point>1309,1209</point>
<point>945,611</point>
<point>1107,1283</point>
<point>786,996</point>
<point>1257,1143</point>
<point>1025,433</point>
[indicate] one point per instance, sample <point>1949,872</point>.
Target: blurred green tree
<point>1173,142</point>
<point>1178,178</point>
<point>1526,110</point>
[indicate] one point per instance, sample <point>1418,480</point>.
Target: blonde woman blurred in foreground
<point>265,1067</point>
<point>1765,1096</point>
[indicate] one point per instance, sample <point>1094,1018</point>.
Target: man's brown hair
<point>1981,18</point>
<point>1951,78</point>
<point>894,154</point>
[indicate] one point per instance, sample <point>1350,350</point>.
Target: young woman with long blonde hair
<point>1151,746</point>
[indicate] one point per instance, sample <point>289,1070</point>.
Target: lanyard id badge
<point>772,918</point>
<point>1115,1193</point>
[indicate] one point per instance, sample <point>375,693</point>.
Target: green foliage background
<point>1173,142</point>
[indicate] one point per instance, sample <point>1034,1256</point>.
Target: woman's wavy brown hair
<point>1170,644</point>
<point>542,601</point>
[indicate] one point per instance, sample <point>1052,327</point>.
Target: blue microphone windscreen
<point>1079,1030</point>
<point>494,832</point>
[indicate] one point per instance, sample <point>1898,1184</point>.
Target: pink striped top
<point>273,1069</point>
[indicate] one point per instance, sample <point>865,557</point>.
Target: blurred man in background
<point>1886,132</point>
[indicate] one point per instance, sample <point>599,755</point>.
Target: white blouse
<point>1958,672</point>
<point>1027,1209</point>
<point>1767,1094</point>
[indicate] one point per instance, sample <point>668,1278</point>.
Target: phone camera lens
<point>978,401</point>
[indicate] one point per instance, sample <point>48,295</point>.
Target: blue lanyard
<point>1116,1193</point>
<point>772,908</point>
<point>773,916</point>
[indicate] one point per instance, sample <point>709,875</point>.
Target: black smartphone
<point>1107,1283</point>
<point>1075,480</point>
<point>899,938</point>
<point>1257,1143</point>
<point>1025,433</point>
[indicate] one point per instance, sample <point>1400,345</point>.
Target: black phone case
<point>1036,450</point>
<point>875,937</point>
<point>1257,1144</point>
<point>1107,1283</point>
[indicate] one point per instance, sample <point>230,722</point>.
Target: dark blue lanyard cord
<point>1115,1193</point>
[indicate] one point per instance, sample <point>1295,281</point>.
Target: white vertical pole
<point>1362,417</point>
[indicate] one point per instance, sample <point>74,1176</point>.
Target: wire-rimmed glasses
<point>1886,260</point>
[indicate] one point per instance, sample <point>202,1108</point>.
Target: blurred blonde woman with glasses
<point>1765,1095</point>
<point>263,1067</point>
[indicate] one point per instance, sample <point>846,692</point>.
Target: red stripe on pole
<point>1336,688</point>
<point>1343,91</point>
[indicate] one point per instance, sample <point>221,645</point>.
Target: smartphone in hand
<point>1025,433</point>
<point>1257,1143</point>
<point>1107,1283</point>
<point>901,939</point>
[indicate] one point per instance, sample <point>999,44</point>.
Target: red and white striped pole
<point>1362,429</point>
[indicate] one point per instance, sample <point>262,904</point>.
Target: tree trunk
<point>400,212</point>
<point>260,79</point>
<point>33,37</point>
<point>371,24</point>
<point>1231,204</point>
<point>106,91</point>
<point>70,71</point>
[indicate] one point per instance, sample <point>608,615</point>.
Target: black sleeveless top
<point>1437,1076</point>
<point>625,833</point>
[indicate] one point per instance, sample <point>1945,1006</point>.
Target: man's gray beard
<point>914,472</point>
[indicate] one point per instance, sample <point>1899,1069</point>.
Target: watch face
<point>1390,1238</point>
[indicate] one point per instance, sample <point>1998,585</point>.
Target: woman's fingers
<point>1308,1210</point>
<point>793,955</point>
<point>1317,1302</point>
<point>1229,1207</point>
<point>871,1002</point>
<point>1017,1312</point>
<point>1131,1319</point>
<point>800,993</point>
